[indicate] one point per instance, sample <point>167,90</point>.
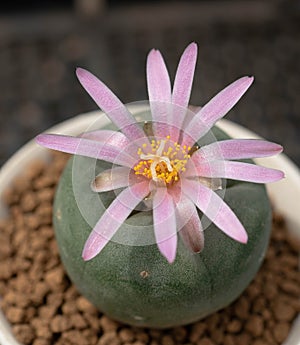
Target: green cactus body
<point>136,284</point>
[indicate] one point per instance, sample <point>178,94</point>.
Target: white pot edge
<point>283,193</point>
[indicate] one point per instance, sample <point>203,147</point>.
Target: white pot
<point>284,194</point>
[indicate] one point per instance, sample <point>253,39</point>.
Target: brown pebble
<point>281,331</point>
<point>260,342</point>
<point>74,337</point>
<point>259,305</point>
<point>229,339</point>
<point>93,321</point>
<point>15,315</point>
<point>30,313</point>
<point>138,342</point>
<point>5,270</point>
<point>142,336</point>
<point>21,184</point>
<point>40,291</point>
<point>55,299</point>
<point>266,314</point>
<point>179,333</point>
<point>69,308</point>
<point>206,341</point>
<point>291,287</point>
<point>197,331</point>
<point>32,221</point>
<point>71,293</point>
<point>217,335</point>
<point>24,333</point>
<point>43,182</point>
<point>290,260</point>
<point>109,338</point>
<point>212,321</point>
<point>60,324</point>
<point>10,197</point>
<point>295,302</point>
<point>254,289</point>
<point>243,338</point>
<point>45,194</point>
<point>46,312</point>
<point>41,328</point>
<point>41,341</point>
<point>234,326</point>
<point>270,290</point>
<point>155,333</point>
<point>55,278</point>
<point>16,298</point>
<point>29,201</point>
<point>84,305</point>
<point>126,335</point>
<point>242,307</point>
<point>255,325</point>
<point>21,284</point>
<point>108,325</point>
<point>77,321</point>
<point>91,335</point>
<point>35,169</point>
<point>5,250</point>
<point>283,311</point>
<point>167,340</point>
<point>268,335</point>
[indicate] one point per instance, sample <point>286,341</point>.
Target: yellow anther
<point>159,163</point>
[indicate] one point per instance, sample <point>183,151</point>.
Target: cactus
<point>136,202</point>
<point>136,285</point>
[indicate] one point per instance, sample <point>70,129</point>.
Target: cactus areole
<point>165,220</point>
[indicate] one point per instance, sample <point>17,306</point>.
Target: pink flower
<point>164,166</point>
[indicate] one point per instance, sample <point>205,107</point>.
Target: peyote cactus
<point>141,185</point>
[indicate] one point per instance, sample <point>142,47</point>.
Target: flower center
<point>162,160</point>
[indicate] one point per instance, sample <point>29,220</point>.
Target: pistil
<point>164,162</point>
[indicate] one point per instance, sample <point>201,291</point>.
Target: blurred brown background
<point>41,43</point>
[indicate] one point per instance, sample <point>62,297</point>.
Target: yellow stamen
<point>158,160</point>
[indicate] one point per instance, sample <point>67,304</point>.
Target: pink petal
<point>116,139</point>
<point>165,223</point>
<point>159,90</point>
<point>236,149</point>
<point>237,171</point>
<point>191,229</point>
<point>182,87</point>
<point>110,104</point>
<point>215,109</point>
<point>86,147</point>
<point>106,136</point>
<point>113,218</point>
<point>184,76</point>
<point>110,179</point>
<point>215,209</point>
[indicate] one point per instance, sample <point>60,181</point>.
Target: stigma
<point>162,160</point>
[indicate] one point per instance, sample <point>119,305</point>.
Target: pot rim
<point>283,194</point>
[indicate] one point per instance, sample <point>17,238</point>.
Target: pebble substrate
<point>44,307</point>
